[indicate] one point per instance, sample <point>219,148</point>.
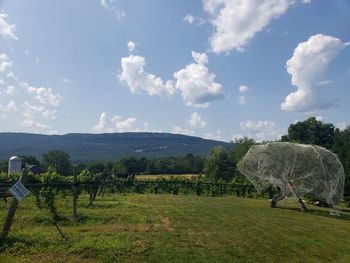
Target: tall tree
<point>311,131</point>
<point>59,161</point>
<point>218,165</point>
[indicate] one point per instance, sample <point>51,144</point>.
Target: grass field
<point>178,228</point>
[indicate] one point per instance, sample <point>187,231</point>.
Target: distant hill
<point>107,146</point>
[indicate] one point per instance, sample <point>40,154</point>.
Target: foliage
<point>311,131</point>
<point>29,160</point>
<point>57,160</point>
<point>218,165</point>
<point>4,166</point>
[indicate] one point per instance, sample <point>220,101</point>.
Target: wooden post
<point>75,198</point>
<point>12,210</point>
<point>298,199</point>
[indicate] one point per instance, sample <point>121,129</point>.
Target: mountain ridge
<point>105,146</point>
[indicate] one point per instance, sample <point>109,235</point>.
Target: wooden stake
<point>297,198</point>
<point>12,210</point>
<point>75,198</point>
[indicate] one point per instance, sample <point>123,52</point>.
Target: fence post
<point>12,210</point>
<point>75,198</point>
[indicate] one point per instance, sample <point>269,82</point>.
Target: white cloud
<point>9,91</point>
<point>261,130</point>
<point>213,136</point>
<point>137,80</point>
<point>184,131</point>
<point>307,65</point>
<point>242,100</point>
<point>123,125</point>
<point>10,107</point>
<point>342,125</point>
<point>237,136</point>
<point>65,80</point>
<point>237,21</point>
<point>118,124</point>
<point>189,18</point>
<point>131,46</point>
<point>319,118</point>
<point>43,95</point>
<point>30,110</point>
<point>196,121</point>
<point>243,88</point>
<point>108,5</point>
<point>5,63</point>
<point>37,127</point>
<point>197,84</point>
<point>101,126</point>
<point>7,30</point>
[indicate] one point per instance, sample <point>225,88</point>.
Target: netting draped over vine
<point>308,169</point>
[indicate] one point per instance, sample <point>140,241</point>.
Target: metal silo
<point>14,165</point>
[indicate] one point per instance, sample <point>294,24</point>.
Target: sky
<point>217,69</point>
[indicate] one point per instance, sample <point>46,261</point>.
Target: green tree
<point>237,152</point>
<point>29,160</point>
<point>4,166</point>
<point>311,131</point>
<point>218,165</point>
<point>59,161</point>
<point>240,148</point>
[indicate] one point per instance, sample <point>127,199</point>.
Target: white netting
<point>309,169</point>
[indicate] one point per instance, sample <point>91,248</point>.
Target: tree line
<point>219,164</point>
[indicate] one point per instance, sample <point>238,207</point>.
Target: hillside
<point>107,146</point>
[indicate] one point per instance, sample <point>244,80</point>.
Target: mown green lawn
<point>177,228</point>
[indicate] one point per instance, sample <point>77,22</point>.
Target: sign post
<point>19,192</point>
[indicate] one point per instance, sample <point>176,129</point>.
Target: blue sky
<point>218,69</point>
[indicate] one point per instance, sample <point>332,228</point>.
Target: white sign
<point>19,191</point>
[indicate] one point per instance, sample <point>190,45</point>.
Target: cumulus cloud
<point>180,130</point>
<point>7,30</point>
<point>118,124</point>
<point>43,95</point>
<point>213,136</point>
<point>133,75</point>
<point>307,65</point>
<point>196,84</point>
<point>237,137</point>
<point>10,107</point>
<point>29,110</point>
<point>342,125</point>
<point>196,121</point>
<point>189,18</point>
<point>261,130</point>
<point>237,21</point>
<point>131,46</point>
<point>37,127</point>
<point>8,91</point>
<point>243,88</point>
<point>5,63</point>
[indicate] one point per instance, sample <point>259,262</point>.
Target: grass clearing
<point>177,228</point>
